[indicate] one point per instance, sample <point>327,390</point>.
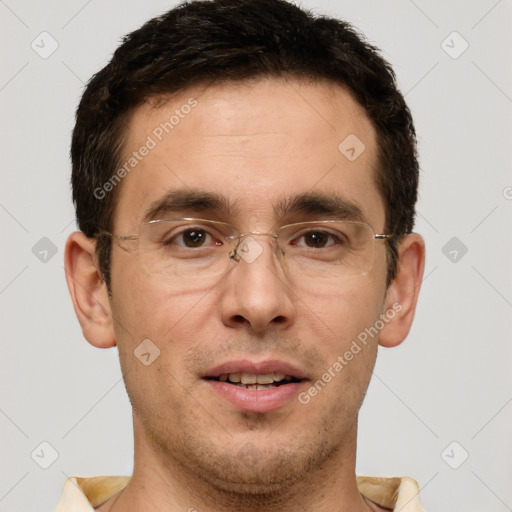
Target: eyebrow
<point>308,204</point>
<point>188,200</point>
<point>327,205</point>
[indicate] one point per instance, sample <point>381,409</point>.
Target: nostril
<point>239,319</point>
<point>279,319</point>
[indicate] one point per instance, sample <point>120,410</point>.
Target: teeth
<point>247,378</point>
<point>255,387</point>
<point>250,380</point>
<point>265,379</point>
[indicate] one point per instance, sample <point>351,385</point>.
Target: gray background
<point>449,382</point>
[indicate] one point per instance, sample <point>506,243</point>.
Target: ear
<point>88,291</point>
<point>402,294</point>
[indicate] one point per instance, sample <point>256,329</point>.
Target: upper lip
<point>255,368</point>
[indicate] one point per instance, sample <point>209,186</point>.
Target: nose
<point>256,294</point>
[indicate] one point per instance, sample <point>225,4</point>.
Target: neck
<point>162,484</point>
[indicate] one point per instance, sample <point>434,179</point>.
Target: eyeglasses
<point>199,250</point>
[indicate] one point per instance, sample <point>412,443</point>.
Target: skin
<point>256,144</point>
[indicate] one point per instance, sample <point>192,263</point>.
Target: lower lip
<point>250,400</point>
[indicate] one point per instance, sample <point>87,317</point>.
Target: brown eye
<point>316,240</point>
<point>189,238</point>
<point>194,237</point>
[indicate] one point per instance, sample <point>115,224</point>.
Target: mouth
<point>256,387</point>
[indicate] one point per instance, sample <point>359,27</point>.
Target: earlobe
<point>402,294</point>
<point>88,291</point>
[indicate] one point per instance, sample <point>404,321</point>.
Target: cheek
<point>341,324</point>
<point>144,307</point>
<point>347,306</point>
<point>154,327</point>
<point>142,303</point>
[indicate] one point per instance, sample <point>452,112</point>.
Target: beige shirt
<point>85,494</point>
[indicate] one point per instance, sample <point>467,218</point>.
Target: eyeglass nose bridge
<point>236,253</point>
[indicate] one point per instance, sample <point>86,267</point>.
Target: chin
<point>264,472</point>
<point>261,480</point>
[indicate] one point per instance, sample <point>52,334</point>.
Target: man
<point>244,176</point>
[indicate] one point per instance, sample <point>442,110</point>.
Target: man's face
<point>257,147</point>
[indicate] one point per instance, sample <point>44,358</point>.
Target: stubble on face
<point>250,470</point>
<point>178,423</point>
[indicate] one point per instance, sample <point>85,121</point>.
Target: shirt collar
<point>84,494</point>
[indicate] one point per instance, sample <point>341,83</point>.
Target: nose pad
<point>249,250</point>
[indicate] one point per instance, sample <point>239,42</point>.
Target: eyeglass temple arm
<point>124,238</point>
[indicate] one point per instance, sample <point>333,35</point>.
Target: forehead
<point>257,145</point>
